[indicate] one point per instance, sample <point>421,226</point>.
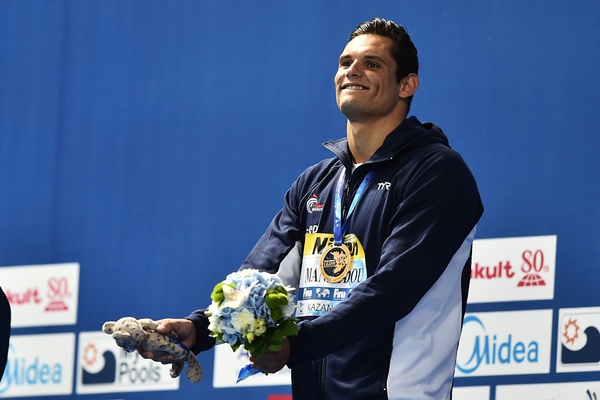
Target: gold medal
<point>336,262</point>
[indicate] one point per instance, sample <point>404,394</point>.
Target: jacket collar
<point>411,133</point>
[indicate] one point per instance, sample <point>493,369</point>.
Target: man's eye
<point>345,64</point>
<point>373,65</point>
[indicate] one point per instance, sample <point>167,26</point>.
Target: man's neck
<point>364,138</point>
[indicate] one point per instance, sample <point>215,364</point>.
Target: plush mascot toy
<point>131,334</point>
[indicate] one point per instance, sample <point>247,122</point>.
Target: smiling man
<point>370,93</point>
<point>382,265</point>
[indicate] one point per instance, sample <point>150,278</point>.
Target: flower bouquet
<point>252,309</point>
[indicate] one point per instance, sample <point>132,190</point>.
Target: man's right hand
<point>186,333</point>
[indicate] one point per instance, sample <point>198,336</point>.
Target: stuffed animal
<point>131,334</point>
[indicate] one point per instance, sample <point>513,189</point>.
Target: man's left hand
<point>273,361</point>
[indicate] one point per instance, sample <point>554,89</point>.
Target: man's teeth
<point>355,87</point>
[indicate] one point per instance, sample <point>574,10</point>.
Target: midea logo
<point>23,371</point>
<point>491,350</point>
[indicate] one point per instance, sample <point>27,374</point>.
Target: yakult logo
<point>42,295</point>
<point>56,290</point>
<point>27,296</point>
<point>532,266</point>
<point>505,343</point>
<point>513,269</point>
<point>58,293</point>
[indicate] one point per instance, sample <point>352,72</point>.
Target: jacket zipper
<point>346,196</point>
<point>350,188</point>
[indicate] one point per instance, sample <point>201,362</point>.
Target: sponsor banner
<point>42,295</point>
<point>505,343</point>
<point>513,269</point>
<point>578,340</point>
<point>104,367</point>
<point>228,364</point>
<point>471,393</point>
<point>39,365</point>
<point>550,391</point>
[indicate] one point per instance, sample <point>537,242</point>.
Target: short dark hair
<point>403,50</point>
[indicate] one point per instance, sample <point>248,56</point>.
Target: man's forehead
<point>369,44</point>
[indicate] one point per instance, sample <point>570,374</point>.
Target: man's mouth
<point>354,87</point>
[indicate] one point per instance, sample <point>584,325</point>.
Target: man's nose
<point>353,70</point>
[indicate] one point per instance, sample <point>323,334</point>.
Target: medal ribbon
<point>339,228</point>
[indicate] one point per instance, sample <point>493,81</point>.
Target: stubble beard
<point>353,110</point>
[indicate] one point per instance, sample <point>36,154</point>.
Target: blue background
<point>152,141</point>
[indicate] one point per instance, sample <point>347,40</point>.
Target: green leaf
<point>274,336</point>
<point>275,345</point>
<point>288,328</point>
<point>256,348</point>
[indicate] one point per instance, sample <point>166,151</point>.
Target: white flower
<point>288,310</point>
<point>234,298</point>
<point>213,318</point>
<point>243,321</point>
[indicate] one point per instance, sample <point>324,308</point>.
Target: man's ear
<point>408,85</point>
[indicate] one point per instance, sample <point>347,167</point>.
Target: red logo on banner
<point>571,331</point>
<point>501,270</point>
<point>30,296</point>
<point>90,354</point>
<point>532,267</point>
<point>58,290</point>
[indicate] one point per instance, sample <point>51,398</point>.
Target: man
<point>399,203</point>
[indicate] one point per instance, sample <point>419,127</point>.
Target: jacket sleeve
<point>203,341</point>
<point>437,209</point>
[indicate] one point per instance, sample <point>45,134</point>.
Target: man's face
<point>366,86</point>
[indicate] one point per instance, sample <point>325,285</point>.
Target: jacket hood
<point>410,134</point>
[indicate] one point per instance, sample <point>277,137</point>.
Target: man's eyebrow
<point>374,58</point>
<point>367,57</point>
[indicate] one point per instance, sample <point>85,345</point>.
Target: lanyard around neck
<point>339,228</point>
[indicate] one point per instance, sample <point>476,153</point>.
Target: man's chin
<point>352,110</point>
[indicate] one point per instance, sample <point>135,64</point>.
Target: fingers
<point>267,368</point>
<point>163,358</point>
<point>273,361</point>
<point>165,325</point>
<point>182,327</point>
<point>185,330</point>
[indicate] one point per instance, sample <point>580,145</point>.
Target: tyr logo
<point>383,185</point>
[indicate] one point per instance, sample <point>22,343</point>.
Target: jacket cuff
<point>203,340</point>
